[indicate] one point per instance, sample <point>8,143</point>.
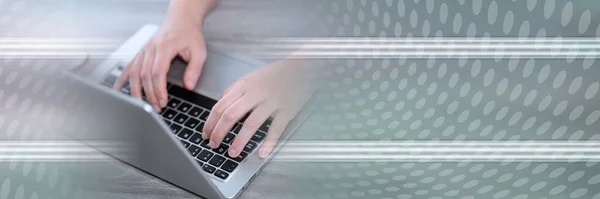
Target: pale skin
<point>278,90</point>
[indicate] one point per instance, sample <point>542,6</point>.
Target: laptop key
<point>205,155</point>
<point>200,126</point>
<point>221,149</point>
<point>221,174</point>
<point>200,163</point>
<point>176,128</point>
<point>228,138</point>
<point>126,90</point>
<point>180,118</point>
<point>265,126</point>
<point>204,115</point>
<point>258,136</point>
<point>240,157</point>
<point>195,112</point>
<point>185,143</point>
<point>184,107</point>
<point>208,168</point>
<point>185,133</point>
<point>196,138</point>
<point>237,129</point>
<point>169,114</point>
<point>167,122</point>
<point>244,118</point>
<point>192,123</point>
<point>194,150</point>
<point>250,146</point>
<point>229,166</point>
<point>234,126</point>
<point>190,96</point>
<point>110,80</point>
<point>173,103</point>
<point>216,160</point>
<point>205,144</point>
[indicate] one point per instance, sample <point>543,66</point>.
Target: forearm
<point>193,11</point>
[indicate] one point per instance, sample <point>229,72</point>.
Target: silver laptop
<point>168,144</point>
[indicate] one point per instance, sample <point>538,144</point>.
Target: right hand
<point>148,70</point>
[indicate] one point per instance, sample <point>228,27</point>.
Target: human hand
<point>148,70</point>
<point>278,90</point>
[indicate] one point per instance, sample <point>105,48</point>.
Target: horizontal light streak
<point>448,157</point>
<point>333,55</point>
<point>439,149</point>
<point>423,54</point>
<point>445,143</point>
<point>408,47</point>
<point>430,40</point>
<point>332,47</point>
<point>342,46</point>
<point>60,54</point>
<point>437,53</point>
<point>37,40</point>
<point>55,46</point>
<point>318,143</point>
<point>437,158</point>
<point>56,151</point>
<point>32,143</point>
<point>55,158</point>
<point>338,151</point>
<point>436,46</point>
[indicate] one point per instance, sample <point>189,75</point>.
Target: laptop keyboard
<point>185,114</point>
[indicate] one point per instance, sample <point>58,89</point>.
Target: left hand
<point>278,90</point>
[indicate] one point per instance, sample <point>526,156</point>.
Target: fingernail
<point>264,154</point>
<point>210,144</point>
<point>204,136</point>
<point>190,84</point>
<point>162,103</point>
<point>233,153</point>
<point>156,108</point>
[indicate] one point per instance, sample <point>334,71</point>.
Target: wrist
<point>191,12</point>
<point>181,20</point>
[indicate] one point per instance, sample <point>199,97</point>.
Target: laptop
<point>168,144</point>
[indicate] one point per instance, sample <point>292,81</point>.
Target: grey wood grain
<point>114,179</point>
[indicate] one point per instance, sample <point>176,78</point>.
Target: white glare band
<point>440,151</point>
<point>333,47</point>
<point>341,151</point>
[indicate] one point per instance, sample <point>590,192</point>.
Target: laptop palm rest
<point>132,133</point>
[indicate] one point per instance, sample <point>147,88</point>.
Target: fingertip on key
<point>233,153</point>
<point>156,108</point>
<point>263,154</point>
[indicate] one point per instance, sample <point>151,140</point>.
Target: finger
<point>277,127</point>
<point>232,115</point>
<point>135,85</point>
<point>195,63</point>
<point>146,77</point>
<point>256,119</point>
<point>218,109</point>
<point>229,88</point>
<point>122,78</point>
<point>162,62</point>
